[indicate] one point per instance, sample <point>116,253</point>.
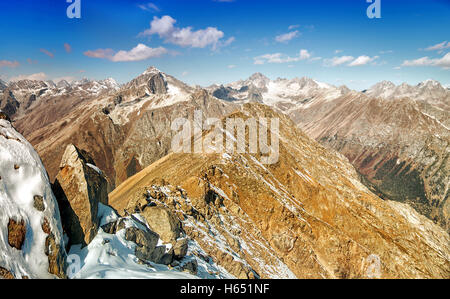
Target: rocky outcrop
<point>8,103</point>
<point>31,238</point>
<point>79,187</point>
<point>157,85</point>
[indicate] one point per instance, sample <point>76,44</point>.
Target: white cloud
<point>349,60</point>
<point>232,66</point>
<point>363,60</point>
<point>165,28</point>
<point>282,58</point>
<point>438,47</point>
<point>335,61</point>
<point>138,53</point>
<point>284,38</point>
<point>37,77</point>
<point>293,27</point>
<point>443,62</point>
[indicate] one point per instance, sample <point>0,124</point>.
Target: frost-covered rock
<point>31,244</point>
<point>79,187</point>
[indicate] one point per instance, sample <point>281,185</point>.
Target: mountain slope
<point>306,215</point>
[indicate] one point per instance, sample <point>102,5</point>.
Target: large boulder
<point>31,238</point>
<point>163,222</point>
<point>146,246</point>
<point>79,187</point>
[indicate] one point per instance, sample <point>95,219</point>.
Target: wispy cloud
<point>284,38</point>
<point>149,7</point>
<point>281,58</point>
<point>335,61</point>
<point>7,63</point>
<point>439,47</point>
<point>443,62</point>
<point>350,60</point>
<point>138,53</point>
<point>165,28</point>
<point>48,53</point>
<point>67,47</point>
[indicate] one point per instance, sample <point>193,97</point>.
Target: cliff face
<point>306,216</point>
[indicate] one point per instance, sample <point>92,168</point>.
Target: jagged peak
<point>151,70</point>
<point>258,76</point>
<point>384,84</point>
<point>429,83</point>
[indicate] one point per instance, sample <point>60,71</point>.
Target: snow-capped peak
<point>429,83</point>
<point>151,70</point>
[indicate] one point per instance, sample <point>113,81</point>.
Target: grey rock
<point>157,85</point>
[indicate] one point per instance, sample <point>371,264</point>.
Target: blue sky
<point>216,41</point>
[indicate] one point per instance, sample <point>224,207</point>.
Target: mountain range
<point>362,180</point>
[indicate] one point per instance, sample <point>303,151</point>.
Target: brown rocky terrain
<point>397,137</point>
<point>401,153</point>
<point>306,216</point>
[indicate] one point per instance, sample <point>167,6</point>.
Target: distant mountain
<point>281,93</point>
<point>429,91</point>
<point>37,94</point>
